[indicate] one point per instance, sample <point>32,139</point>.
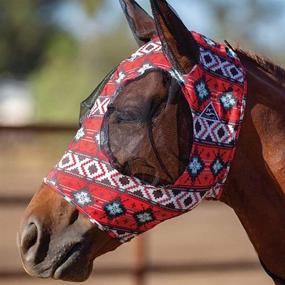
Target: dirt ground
<point>211,234</point>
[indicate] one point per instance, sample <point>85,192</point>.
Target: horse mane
<point>264,63</point>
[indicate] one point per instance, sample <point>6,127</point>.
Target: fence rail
<point>241,265</point>
<point>40,128</point>
<point>14,200</point>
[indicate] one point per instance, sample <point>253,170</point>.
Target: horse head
<point>150,135</point>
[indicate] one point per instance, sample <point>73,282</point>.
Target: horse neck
<point>266,96</point>
<point>256,185</point>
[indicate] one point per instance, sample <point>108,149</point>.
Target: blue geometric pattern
<point>217,166</point>
<point>228,100</point>
<point>195,167</point>
<point>201,89</point>
<point>114,209</point>
<point>83,198</point>
<point>144,217</point>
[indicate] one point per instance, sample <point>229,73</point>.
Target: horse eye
<point>126,116</point>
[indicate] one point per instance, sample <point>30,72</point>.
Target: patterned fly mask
<point>125,206</point>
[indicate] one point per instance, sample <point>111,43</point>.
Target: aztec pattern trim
<point>125,206</point>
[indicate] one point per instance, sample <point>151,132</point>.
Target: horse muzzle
<point>55,241</point>
<point>45,257</point>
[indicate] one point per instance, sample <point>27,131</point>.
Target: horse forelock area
<point>266,64</point>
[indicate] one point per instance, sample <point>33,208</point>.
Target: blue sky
<point>196,14</point>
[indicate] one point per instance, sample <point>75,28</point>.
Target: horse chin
<point>72,265</point>
<point>74,269</point>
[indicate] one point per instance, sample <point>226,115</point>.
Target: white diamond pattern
<point>215,131</point>
<point>221,66</point>
<point>101,172</point>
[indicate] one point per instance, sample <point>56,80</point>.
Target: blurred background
<point>52,55</point>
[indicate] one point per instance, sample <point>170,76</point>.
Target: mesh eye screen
<point>91,174</point>
<point>88,103</point>
<point>149,136</point>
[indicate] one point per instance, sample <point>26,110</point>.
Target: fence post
<point>141,260</point>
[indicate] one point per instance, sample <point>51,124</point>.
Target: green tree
<point>27,32</point>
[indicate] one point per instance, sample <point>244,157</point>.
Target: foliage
<point>91,6</point>
<point>25,31</point>
<point>68,78</point>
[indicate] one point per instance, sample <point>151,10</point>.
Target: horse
<point>56,241</point>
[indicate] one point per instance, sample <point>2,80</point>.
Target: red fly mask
<point>124,197</point>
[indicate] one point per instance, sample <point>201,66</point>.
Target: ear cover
<point>141,24</point>
<point>177,41</point>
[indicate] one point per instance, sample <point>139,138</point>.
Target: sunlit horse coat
<point>126,206</point>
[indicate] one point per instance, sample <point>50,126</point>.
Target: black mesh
<point>147,130</point>
<point>87,104</point>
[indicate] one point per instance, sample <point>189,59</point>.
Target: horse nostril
<point>29,237</point>
<point>34,242</point>
<point>74,217</point>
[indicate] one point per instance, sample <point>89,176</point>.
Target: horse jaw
<point>55,241</point>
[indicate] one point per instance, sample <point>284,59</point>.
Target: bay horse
<point>55,241</point>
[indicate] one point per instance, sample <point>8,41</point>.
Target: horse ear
<point>141,24</point>
<point>177,41</point>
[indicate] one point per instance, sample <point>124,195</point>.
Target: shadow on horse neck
<point>256,185</point>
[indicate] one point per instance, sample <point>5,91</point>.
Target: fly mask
<point>125,206</point>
